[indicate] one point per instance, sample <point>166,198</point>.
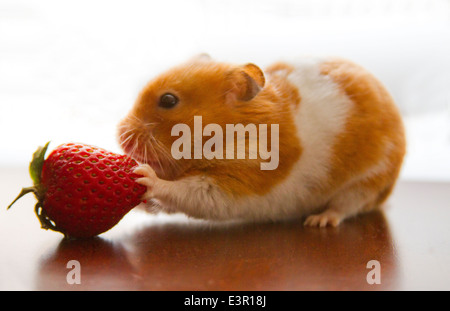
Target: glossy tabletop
<point>410,239</point>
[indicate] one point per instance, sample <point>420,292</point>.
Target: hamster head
<point>218,92</point>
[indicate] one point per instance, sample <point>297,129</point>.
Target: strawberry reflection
<point>104,266</point>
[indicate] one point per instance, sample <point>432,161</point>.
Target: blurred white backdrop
<point>69,71</point>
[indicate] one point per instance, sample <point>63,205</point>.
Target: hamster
<point>340,142</point>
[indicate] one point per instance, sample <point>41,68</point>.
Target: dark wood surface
<point>410,239</point>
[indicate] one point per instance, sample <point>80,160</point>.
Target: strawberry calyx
<point>35,170</point>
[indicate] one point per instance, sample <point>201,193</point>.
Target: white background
<point>69,71</point>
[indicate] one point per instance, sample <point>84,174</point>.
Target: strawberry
<point>82,190</point>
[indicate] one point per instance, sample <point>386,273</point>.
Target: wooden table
<point>410,240</point>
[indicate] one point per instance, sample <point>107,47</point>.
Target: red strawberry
<point>82,190</point>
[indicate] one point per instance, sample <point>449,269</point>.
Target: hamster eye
<point>168,100</point>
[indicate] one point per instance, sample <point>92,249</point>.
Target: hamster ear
<point>246,82</point>
<point>202,57</point>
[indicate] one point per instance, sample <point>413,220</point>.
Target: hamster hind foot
<point>343,205</point>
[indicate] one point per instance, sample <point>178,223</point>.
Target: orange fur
<point>373,123</point>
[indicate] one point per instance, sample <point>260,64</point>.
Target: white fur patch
<point>320,117</point>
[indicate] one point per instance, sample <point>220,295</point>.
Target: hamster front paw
<point>149,179</point>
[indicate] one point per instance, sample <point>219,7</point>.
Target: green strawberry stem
<point>37,163</point>
<point>35,170</point>
<point>21,194</point>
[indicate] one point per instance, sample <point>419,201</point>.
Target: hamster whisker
<point>124,143</point>
<point>126,133</point>
<point>150,124</point>
<point>134,118</point>
<point>156,155</point>
<point>166,155</point>
<point>135,146</point>
<point>174,163</point>
<point>145,153</point>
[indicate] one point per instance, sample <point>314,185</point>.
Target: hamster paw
<point>326,218</point>
<point>149,178</point>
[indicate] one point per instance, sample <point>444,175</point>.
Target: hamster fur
<point>341,140</point>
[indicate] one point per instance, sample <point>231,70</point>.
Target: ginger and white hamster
<point>340,148</point>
